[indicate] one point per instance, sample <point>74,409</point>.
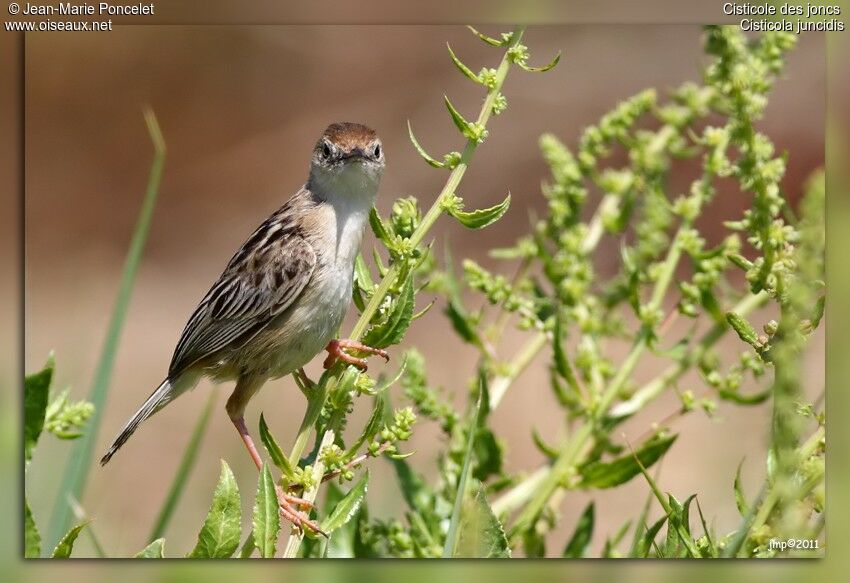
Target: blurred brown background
<point>240,108</point>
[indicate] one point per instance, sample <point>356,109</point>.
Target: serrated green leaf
<point>266,519</point>
<point>347,508</point>
<point>431,161</point>
<point>275,452</point>
<point>544,68</point>
<point>481,534</point>
<point>66,543</point>
<point>461,67</point>
<point>36,390</point>
<point>392,329</point>
<point>623,469</point>
<point>482,217</point>
<point>32,538</point>
<point>219,535</point>
<point>582,534</point>
<point>740,498</point>
<point>155,550</point>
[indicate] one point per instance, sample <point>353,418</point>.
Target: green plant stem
<point>517,496</point>
<point>775,491</point>
<point>295,538</point>
<point>317,402</point>
<point>183,470</point>
<point>74,478</point>
<point>448,190</point>
<point>523,359</point>
<point>575,447</point>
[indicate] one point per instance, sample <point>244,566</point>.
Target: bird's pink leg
<point>336,351</point>
<point>289,505</point>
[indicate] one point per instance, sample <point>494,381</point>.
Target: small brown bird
<point>283,295</point>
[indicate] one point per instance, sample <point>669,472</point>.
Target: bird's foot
<point>336,351</point>
<point>291,510</point>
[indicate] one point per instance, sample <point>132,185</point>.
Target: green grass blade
<point>182,475</point>
<point>73,480</point>
<point>454,524</point>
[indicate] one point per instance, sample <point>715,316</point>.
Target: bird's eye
<point>377,151</point>
<point>326,151</point>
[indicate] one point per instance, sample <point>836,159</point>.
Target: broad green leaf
<point>66,543</point>
<point>740,498</point>
<point>32,539</point>
<point>36,389</point>
<point>623,469</point>
<point>392,329</point>
<point>347,507</point>
<point>582,534</point>
<point>277,455</point>
<point>266,521</point>
<point>219,536</point>
<point>481,218</point>
<point>481,533</point>
<point>374,425</point>
<point>155,550</point>
<point>461,67</point>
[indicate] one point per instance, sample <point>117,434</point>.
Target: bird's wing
<point>264,278</point>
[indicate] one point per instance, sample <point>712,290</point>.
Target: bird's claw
<point>336,351</point>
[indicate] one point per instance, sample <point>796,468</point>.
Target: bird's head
<point>348,158</point>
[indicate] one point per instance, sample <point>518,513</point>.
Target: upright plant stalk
<point>448,190</point>
<point>183,471</point>
<point>73,481</point>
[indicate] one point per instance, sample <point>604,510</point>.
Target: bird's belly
<point>302,331</point>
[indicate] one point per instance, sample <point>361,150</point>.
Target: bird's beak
<point>355,154</point>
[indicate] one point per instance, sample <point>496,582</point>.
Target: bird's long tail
<point>158,399</point>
